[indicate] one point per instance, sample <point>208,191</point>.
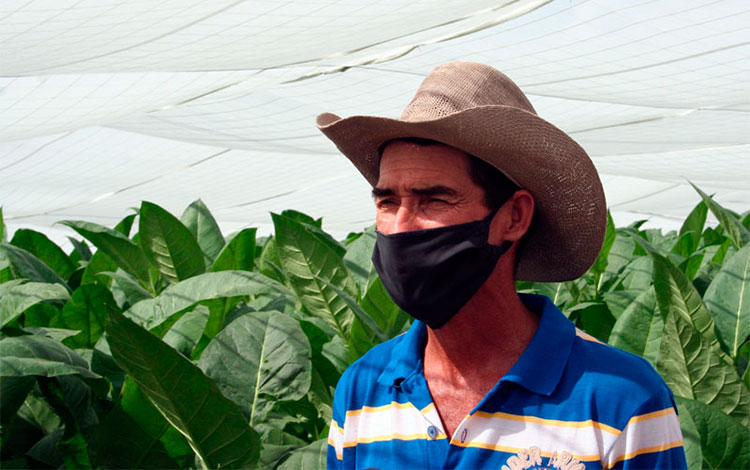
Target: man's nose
<point>406,219</point>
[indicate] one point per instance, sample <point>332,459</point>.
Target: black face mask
<point>432,273</point>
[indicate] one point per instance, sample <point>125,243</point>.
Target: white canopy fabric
<point>104,103</point>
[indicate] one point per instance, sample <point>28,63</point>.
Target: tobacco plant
<point>177,347</point>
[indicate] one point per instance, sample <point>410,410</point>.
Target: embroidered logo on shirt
<point>531,459</point>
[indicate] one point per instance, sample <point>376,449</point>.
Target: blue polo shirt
<point>570,402</point>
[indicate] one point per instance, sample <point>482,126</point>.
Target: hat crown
<point>456,86</point>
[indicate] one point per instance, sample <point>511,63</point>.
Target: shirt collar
<point>539,369</point>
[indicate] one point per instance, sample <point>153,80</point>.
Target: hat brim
<point>570,210</point>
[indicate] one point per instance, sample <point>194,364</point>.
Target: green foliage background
<point>175,347</point>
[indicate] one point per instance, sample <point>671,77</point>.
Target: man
<point>473,191</point>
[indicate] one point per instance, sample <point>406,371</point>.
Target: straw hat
<point>479,110</point>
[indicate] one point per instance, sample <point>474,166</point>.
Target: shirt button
<point>432,432</point>
<point>463,435</point>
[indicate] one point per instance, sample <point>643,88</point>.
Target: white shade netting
<point>105,103</point>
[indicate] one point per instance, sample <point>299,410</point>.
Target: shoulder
<point>361,377</point>
<point>618,384</point>
<point>614,367</point>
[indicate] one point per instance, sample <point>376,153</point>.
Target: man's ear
<point>513,219</point>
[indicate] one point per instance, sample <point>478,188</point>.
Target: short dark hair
<point>497,187</point>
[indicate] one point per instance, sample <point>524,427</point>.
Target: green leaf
<point>304,259</point>
<point>185,333</point>
<point>168,244</point>
<point>214,426</point>
<point>129,436</point>
<point>728,298</point>
<point>377,302</point>
<point>690,358</point>
<point>126,254</point>
<point>639,328</point>
<point>731,225</point>
<point>258,359</point>
<point>13,392</point>
<point>43,248</point>
<point>362,316</point>
<point>16,297</point>
<point>86,312</point>
<point>691,439</point>
<point>595,319</point>
<point>600,264</point>
<point>269,263</point>
<point>198,219</point>
<point>3,233</point>
<point>619,300</point>
<point>72,445</point>
<point>125,288</point>
<point>41,356</point>
<point>724,440</point>
<point>692,231</point>
<point>153,312</point>
<point>358,259</point>
<point>238,254</point>
<point>25,265</point>
<point>312,456</point>
<point>80,251</point>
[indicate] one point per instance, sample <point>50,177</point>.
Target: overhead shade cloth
<point>104,103</point>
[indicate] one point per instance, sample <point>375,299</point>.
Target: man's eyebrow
<point>437,190</point>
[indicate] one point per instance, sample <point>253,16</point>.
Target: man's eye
<point>385,203</point>
<point>435,200</point>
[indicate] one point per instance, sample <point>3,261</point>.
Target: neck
<point>493,324</point>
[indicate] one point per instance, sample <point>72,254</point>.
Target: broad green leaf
<point>25,265</point>
<point>619,300</point>
<point>600,264</point>
<point>198,219</point>
<point>214,426</point>
<point>638,275</point>
<point>315,227</point>
<point>99,263</point>
<point>13,392</point>
<point>3,234</point>
<point>725,442</point>
<point>690,358</point>
<point>41,356</point>
<point>80,251</point>
<point>125,288</point>
<point>310,457</point>
<point>639,328</point>
<point>126,254</point>
<point>269,263</point>
<point>168,244</point>
<point>276,445</point>
<point>304,259</point>
<point>185,333</point>
<point>16,297</point>
<point>131,433</point>
<point>238,254</point>
<point>38,412</point>
<point>358,259</point>
<point>43,248</point>
<point>691,439</point>
<point>595,319</point>
<point>692,230</point>
<point>86,311</point>
<point>728,298</point>
<point>258,359</point>
<point>377,302</point>
<point>362,316</point>
<point>153,312</point>
<point>72,445</point>
<point>731,225</point>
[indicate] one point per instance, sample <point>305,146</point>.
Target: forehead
<point>406,163</point>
